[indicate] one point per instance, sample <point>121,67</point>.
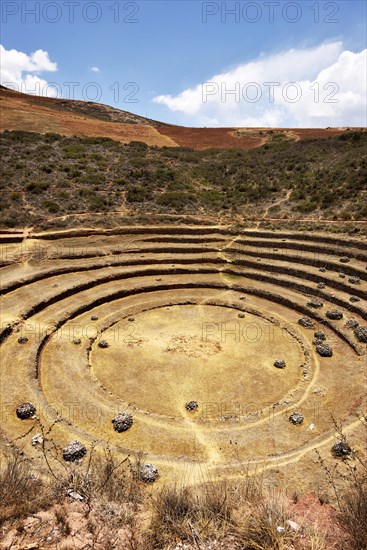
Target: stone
<point>149,473</point>
<point>321,286</point>
<point>103,344</point>
<point>317,342</point>
<point>279,364</point>
<point>37,440</point>
<point>354,280</point>
<point>74,451</point>
<point>361,334</point>
<point>74,495</point>
<point>320,334</point>
<point>296,418</point>
<point>315,303</point>
<point>22,340</point>
<point>344,259</point>
<point>192,406</point>
<point>241,315</point>
<point>25,410</point>
<point>131,319</point>
<point>293,525</point>
<point>305,322</point>
<point>322,269</point>
<point>342,275</point>
<point>94,318</point>
<point>77,341</point>
<point>354,299</point>
<point>334,314</point>
<point>341,449</point>
<point>122,422</point>
<point>325,350</point>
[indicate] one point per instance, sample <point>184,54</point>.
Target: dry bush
<point>22,492</point>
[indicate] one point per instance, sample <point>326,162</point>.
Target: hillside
<point>87,119</point>
<point>51,179</point>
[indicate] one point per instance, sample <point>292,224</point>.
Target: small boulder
<point>325,350</point>
<point>322,269</point>
<point>344,259</point>
<point>279,364</point>
<point>354,299</point>
<point>192,406</point>
<point>305,322</point>
<point>321,286</point>
<point>354,280</point>
<point>22,340</point>
<point>37,440</point>
<point>320,334</point>
<point>296,418</point>
<point>25,410</point>
<point>94,318</point>
<point>334,314</point>
<point>74,451</point>
<point>149,473</point>
<point>241,315</point>
<point>77,341</point>
<point>341,449</point>
<point>122,422</point>
<point>342,275</point>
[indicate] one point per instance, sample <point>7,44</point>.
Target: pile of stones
<point>192,406</point>
<point>149,473</point>
<point>103,344</point>
<point>296,418</point>
<point>74,451</point>
<point>122,422</point>
<point>305,322</point>
<point>361,334</point>
<point>315,303</point>
<point>322,348</point>
<point>26,410</point>
<point>341,449</point>
<point>279,364</point>
<point>334,314</point>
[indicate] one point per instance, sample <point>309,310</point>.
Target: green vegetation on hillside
<point>51,175</point>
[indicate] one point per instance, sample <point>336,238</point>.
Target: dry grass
<point>22,491</point>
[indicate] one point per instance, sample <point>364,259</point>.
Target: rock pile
<point>341,449</point>
<point>279,364</point>
<point>25,410</point>
<point>74,451</point>
<point>361,334</point>
<point>334,314</point>
<point>325,350</point>
<point>122,422</point>
<point>296,418</point>
<point>315,303</point>
<point>192,406</point>
<point>305,322</point>
<point>103,344</point>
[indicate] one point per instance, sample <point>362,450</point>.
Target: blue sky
<point>168,49</point>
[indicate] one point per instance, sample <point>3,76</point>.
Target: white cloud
<point>20,71</point>
<point>330,90</point>
<point>95,70</point>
